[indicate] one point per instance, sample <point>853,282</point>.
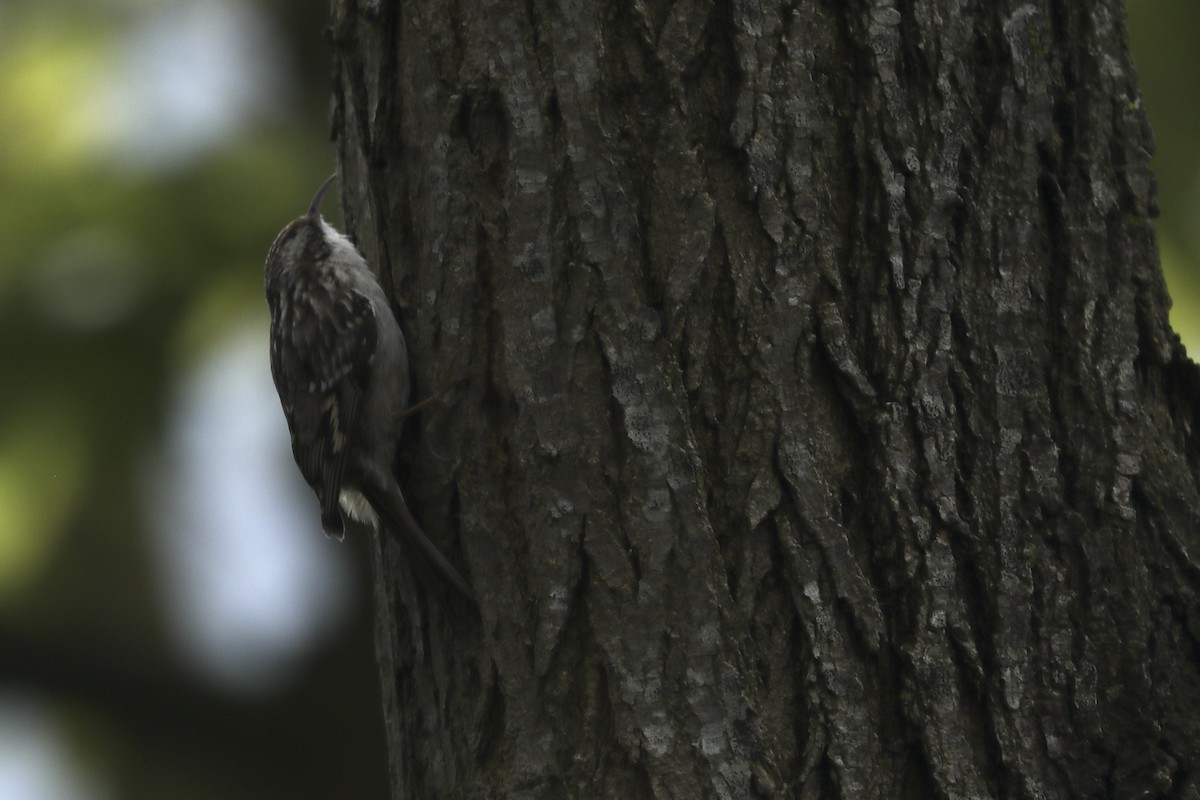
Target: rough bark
<point>820,431</point>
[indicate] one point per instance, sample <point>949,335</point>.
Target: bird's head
<point>304,239</point>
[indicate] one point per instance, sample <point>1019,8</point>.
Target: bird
<point>340,365</point>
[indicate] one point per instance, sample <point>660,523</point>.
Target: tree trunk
<point>818,430</point>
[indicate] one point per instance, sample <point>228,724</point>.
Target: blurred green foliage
<point>116,276</point>
<point>1163,38</point>
<point>111,277</point>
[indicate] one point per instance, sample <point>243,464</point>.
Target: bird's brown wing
<point>322,345</point>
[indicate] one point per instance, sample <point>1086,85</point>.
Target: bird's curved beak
<point>314,210</point>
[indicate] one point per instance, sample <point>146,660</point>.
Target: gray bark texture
<point>816,427</point>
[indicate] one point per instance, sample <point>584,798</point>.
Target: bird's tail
<point>390,504</point>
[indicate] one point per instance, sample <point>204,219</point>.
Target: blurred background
<point>172,622</point>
